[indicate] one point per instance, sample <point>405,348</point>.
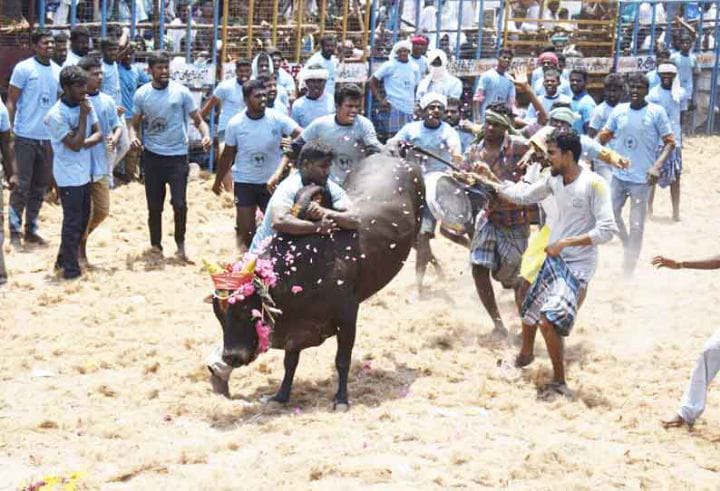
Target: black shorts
<point>251,195</point>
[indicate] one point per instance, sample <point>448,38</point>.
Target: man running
<point>34,88</point>
<point>164,107</point>
<point>252,148</point>
<point>637,128</point>
<point>708,364</point>
<point>585,220</point>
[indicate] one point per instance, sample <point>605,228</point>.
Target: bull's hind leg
<point>290,363</point>
<point>346,341</point>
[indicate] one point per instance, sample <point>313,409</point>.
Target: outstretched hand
<point>665,262</point>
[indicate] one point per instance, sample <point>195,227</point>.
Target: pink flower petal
<point>256,313</point>
<point>296,289</point>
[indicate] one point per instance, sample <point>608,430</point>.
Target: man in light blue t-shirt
<point>9,168</point>
<point>101,177</point>
<point>326,57</point>
<point>495,86</point>
<point>351,135</point>
<point>164,108</point>
<point>33,90</point>
<point>316,102</point>
<point>111,76</point>
<point>438,137</point>
<point>614,91</point>
<point>252,148</point>
<point>400,77</point>
<point>74,131</point>
<point>637,129</point>
<point>550,96</point>
<point>582,102</point>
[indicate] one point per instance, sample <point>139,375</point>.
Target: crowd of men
<point>579,161</point>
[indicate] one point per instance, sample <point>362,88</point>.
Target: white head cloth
<point>431,97</point>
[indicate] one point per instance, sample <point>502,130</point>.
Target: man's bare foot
<point>219,385</point>
<point>499,331</point>
<point>674,421</point>
<point>522,361</point>
<point>550,391</point>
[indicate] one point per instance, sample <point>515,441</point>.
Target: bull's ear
<point>220,307</point>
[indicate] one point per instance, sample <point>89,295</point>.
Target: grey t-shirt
<point>584,207</point>
<point>350,142</point>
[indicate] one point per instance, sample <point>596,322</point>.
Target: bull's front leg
<point>346,341</point>
<point>290,363</point>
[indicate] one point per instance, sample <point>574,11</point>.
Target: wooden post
<point>275,22</point>
<point>251,21</point>
<point>225,15</point>
<point>298,40</point>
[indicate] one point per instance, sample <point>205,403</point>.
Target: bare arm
<point>654,172</point>
<point>13,96</point>
<point>226,160</point>
<point>375,89</point>
<point>134,130</point>
<point>203,128</point>
<point>209,105</point>
<point>664,262</point>
<point>288,223</point>
<point>75,140</point>
<point>348,220</point>
<point>95,138</point>
<point>604,136</point>
<point>7,150</point>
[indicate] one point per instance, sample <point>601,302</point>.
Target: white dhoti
<point>707,366</point>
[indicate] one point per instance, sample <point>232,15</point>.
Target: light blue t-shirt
<point>349,142</point>
<point>111,82</point>
<point>673,108</point>
<point>636,135</point>
<point>282,101</point>
<point>70,168</point>
<point>165,117</point>
<point>600,115</point>
<point>539,74</point>
<point>449,86</point>
<point>547,103</point>
<point>230,94</point>
<point>584,105</point>
<point>40,86</point>
<point>258,144</point>
<point>422,64</point>
<point>286,81</point>
<point>400,80</point>
<point>329,65</point>
<point>496,87</point>
<point>4,118</point>
<point>305,111</point>
<point>443,141</point>
<point>283,200</point>
<point>106,112</point>
<point>687,66</point>
<point>130,79</point>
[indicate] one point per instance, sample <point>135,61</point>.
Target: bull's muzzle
<point>237,357</point>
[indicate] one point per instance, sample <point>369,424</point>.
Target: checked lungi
<point>500,250</point>
<point>672,168</point>
<point>556,294</point>
<point>397,119</point>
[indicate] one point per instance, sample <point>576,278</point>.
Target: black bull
<point>335,273</point>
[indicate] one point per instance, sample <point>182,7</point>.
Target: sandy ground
<point>106,376</point>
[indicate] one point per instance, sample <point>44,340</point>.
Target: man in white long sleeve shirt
<point>585,220</point>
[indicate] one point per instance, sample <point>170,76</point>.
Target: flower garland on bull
<point>241,280</point>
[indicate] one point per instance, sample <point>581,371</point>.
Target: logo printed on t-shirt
<point>157,125</point>
<point>344,161</point>
<point>259,159</point>
<point>630,142</point>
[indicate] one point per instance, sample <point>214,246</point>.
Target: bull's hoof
<point>219,385</point>
<point>278,400</point>
<point>341,407</point>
